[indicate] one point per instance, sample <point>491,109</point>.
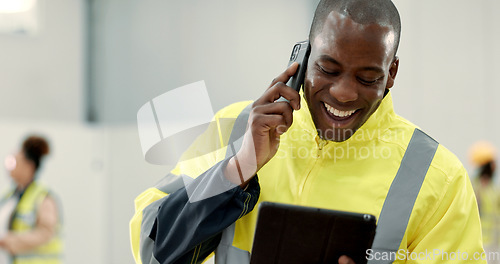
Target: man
<point>339,145</point>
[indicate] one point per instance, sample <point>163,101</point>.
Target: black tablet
<point>295,234</point>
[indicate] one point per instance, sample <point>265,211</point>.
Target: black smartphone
<point>300,54</point>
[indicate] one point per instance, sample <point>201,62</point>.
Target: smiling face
<point>349,68</point>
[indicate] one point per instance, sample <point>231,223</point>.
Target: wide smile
<point>339,118</point>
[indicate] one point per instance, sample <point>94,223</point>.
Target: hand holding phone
<point>269,120</point>
<point>300,54</point>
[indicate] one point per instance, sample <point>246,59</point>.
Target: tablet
<point>296,234</point>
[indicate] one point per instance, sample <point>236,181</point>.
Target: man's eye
<point>328,72</point>
<point>368,81</point>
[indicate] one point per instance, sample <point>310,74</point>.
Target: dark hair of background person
<point>35,148</point>
<point>381,12</point>
<point>487,170</point>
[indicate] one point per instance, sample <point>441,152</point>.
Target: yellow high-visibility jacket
<point>488,198</point>
<point>24,220</point>
<point>354,175</point>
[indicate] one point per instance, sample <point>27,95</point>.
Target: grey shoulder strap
<point>401,197</point>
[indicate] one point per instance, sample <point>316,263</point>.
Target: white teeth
<point>337,112</point>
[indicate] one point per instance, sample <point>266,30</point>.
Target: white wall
<point>144,48</point>
<point>41,76</point>
<point>448,68</point>
<point>129,175</point>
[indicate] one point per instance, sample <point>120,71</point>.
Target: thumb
<point>284,76</point>
<point>345,260</point>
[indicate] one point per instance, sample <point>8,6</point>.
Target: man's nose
<point>344,90</point>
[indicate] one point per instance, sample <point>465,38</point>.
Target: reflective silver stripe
<point>226,253</point>
<point>169,184</point>
<point>147,244</point>
<point>402,194</point>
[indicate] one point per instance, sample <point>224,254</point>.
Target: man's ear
<point>393,71</point>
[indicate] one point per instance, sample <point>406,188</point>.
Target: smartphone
<point>300,54</point>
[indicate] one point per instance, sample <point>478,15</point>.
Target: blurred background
<point>78,71</point>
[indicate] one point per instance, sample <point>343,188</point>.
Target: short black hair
<point>381,12</point>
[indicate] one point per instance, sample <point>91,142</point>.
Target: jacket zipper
<point>320,144</point>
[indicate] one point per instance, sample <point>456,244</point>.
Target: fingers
<point>287,74</point>
<point>270,114</point>
<point>346,260</point>
<point>275,115</point>
<point>268,120</point>
<point>280,89</point>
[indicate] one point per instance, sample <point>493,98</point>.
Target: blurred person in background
<point>29,215</point>
<point>483,155</point>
